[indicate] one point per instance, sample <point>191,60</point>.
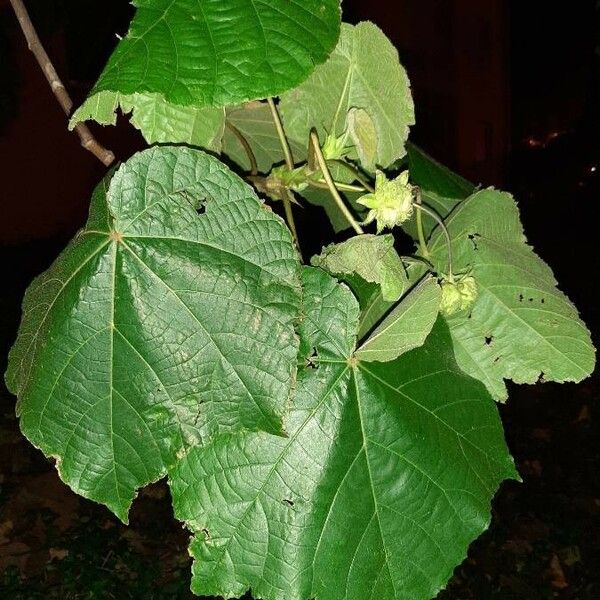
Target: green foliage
<point>441,189</point>
<point>407,326</point>
<point>324,437</point>
<point>521,326</point>
<point>338,509</point>
<point>362,65</point>
<point>182,56</point>
<point>134,345</point>
<point>255,122</point>
<point>343,98</point>
<point>372,257</point>
<point>432,176</point>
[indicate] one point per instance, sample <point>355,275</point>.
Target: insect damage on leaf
<point>327,510</point>
<point>158,327</point>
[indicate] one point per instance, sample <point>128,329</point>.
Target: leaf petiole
<point>356,172</point>
<point>420,232</point>
<point>285,145</point>
<point>343,187</point>
<point>289,216</point>
<point>246,146</point>
<point>289,161</point>
<point>429,211</point>
<point>315,148</point>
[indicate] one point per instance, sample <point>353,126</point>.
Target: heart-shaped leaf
<point>384,480</point>
<point>407,326</point>
<point>254,121</point>
<point>158,327</point>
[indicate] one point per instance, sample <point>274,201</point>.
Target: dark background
<point>507,93</point>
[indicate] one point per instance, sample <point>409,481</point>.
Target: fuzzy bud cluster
<point>391,203</point>
<point>458,294</point>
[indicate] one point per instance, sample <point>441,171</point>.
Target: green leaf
<point>362,65</point>
<point>521,326</point>
<point>434,177</point>
<point>182,56</point>
<point>254,121</point>
<point>373,306</point>
<point>384,480</point>
<point>158,327</point>
<point>407,326</point>
<point>158,120</point>
<point>373,257</point>
<point>441,188</point>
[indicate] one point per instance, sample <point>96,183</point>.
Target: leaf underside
<point>255,122</point>
<point>184,56</point>
<point>407,326</point>
<point>521,326</point>
<point>372,257</point>
<point>441,189</point>
<point>343,96</point>
<point>158,327</point>
<point>363,63</point>
<point>384,479</point>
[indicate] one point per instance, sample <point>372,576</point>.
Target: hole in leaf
<point>543,300</point>
<point>521,297</point>
<point>201,208</point>
<point>497,359</point>
<point>489,339</point>
<point>311,361</point>
<point>206,533</point>
<point>473,237</point>
<point>288,502</point>
<point>540,378</point>
<point>530,299</point>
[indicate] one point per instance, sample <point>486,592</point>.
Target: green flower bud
<point>335,148</point>
<point>391,203</point>
<point>458,294</point>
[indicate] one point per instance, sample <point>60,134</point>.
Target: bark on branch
<point>88,141</point>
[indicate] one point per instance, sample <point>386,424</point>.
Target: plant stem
<point>344,187</point>
<point>429,211</point>
<point>247,148</point>
<point>357,174</point>
<point>289,161</point>
<point>420,232</point>
<point>316,146</point>
<point>417,260</point>
<point>88,141</point>
<point>289,217</point>
<point>285,145</point>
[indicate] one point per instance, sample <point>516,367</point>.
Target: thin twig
<point>316,148</point>
<point>289,161</point>
<point>88,141</point>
